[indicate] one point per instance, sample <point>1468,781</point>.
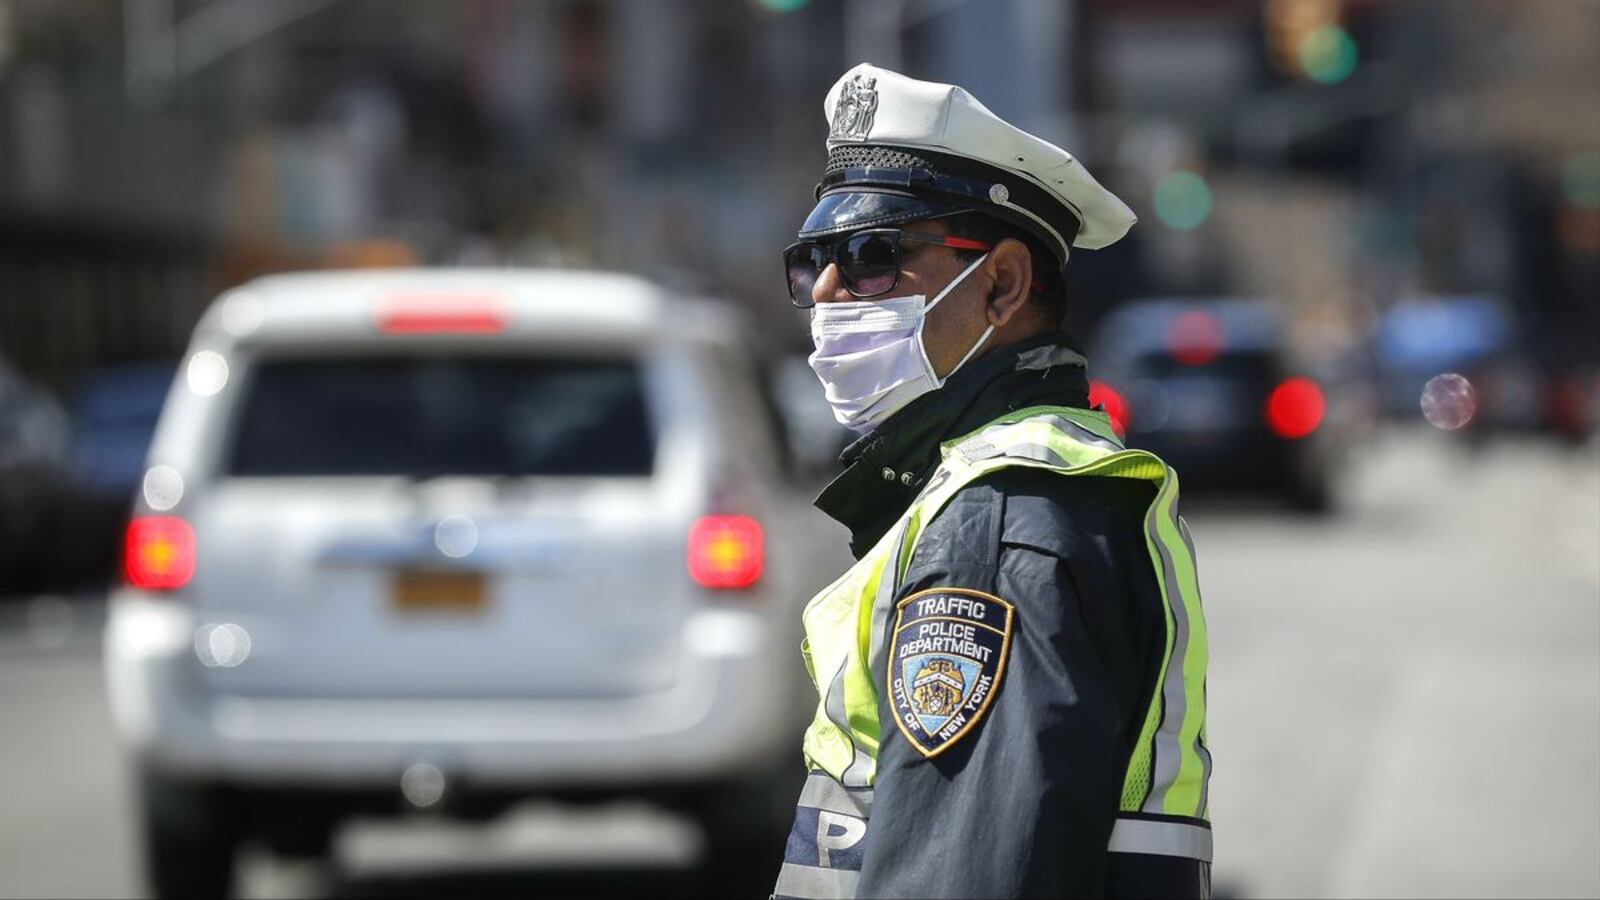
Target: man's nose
<point>829,287</point>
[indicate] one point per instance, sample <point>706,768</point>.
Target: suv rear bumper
<point>731,712</point>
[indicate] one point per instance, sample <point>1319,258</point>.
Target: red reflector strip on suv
<point>441,322</point>
<point>442,313</point>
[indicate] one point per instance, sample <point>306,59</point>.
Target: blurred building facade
<point>1336,154</point>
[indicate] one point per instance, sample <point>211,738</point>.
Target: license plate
<point>444,592</point>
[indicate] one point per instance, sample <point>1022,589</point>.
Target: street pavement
<point>1405,701</point>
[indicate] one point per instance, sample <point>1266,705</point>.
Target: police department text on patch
<point>946,659</point>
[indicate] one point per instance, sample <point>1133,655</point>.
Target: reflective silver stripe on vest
<point>795,880</point>
<point>1079,433</point>
<point>864,767</point>
<point>1037,453</point>
<point>888,587</point>
<point>1200,740</point>
<point>1174,702</point>
<point>978,447</point>
<point>861,762</point>
<point>822,792</point>
<point>1161,839</point>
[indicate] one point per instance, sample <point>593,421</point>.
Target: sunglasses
<point>868,260</point>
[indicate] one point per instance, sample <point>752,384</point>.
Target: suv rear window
<point>432,416</point>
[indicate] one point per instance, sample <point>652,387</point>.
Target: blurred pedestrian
<point>1012,675</point>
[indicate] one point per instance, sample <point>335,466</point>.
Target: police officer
<point>1012,675</point>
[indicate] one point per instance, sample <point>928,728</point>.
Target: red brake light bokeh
<point>158,553</point>
<point>1194,338</point>
<point>725,552</point>
<point>1105,396</point>
<point>1295,408</point>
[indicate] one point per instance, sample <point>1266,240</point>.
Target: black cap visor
<point>890,185</point>
<point>850,210</point>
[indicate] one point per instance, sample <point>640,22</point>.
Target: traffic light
<point>1306,39</point>
<point>1183,200</point>
<point>1328,55</point>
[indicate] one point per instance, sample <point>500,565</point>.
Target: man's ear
<point>1011,266</point>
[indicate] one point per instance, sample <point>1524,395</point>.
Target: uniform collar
<point>886,468</point>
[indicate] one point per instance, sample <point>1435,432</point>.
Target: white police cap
<point>900,150</point>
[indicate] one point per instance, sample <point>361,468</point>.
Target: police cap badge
<point>902,150</point>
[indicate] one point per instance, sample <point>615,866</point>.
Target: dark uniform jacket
<point>1023,805</point>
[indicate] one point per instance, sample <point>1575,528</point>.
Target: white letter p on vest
<point>853,831</point>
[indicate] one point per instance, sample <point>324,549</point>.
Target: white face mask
<point>870,355</point>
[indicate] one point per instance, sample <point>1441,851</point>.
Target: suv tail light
<point>1295,408</point>
<point>725,552</point>
<point>158,553</point>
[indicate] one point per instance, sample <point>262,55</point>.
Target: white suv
<point>448,539</point>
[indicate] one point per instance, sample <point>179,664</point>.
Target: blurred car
<point>113,411</point>
<point>33,454</point>
<point>1209,386</point>
<point>1473,336</point>
<point>450,539</point>
<point>1575,403</point>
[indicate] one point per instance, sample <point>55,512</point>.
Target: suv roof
<point>483,302</point>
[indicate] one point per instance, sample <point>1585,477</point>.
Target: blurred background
<point>1360,315</point>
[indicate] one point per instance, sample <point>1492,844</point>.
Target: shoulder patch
<point>946,657</point>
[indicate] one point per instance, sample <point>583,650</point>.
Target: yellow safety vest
<point>845,643</point>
